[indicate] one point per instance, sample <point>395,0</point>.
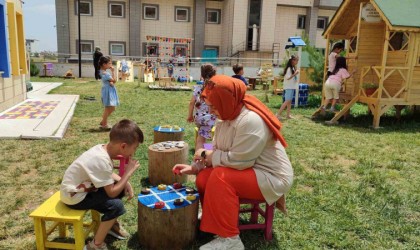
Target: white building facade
<point>121,27</point>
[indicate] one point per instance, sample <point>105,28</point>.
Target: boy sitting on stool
<point>89,182</point>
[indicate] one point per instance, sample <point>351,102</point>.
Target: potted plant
<point>370,88</point>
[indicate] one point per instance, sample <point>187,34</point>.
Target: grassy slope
<point>354,188</point>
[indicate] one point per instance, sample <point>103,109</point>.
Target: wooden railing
<point>388,71</point>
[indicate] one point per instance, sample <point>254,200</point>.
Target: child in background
<point>334,82</point>
<point>202,117</point>
<point>238,69</point>
<point>89,182</point>
<point>109,92</point>
<point>124,70</point>
<point>289,84</point>
<point>170,67</point>
<point>335,53</point>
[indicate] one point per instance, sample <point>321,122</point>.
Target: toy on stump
<point>162,157</point>
<point>167,219</point>
<point>168,133</point>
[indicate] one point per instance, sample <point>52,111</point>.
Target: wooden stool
<point>170,227</point>
<point>161,163</point>
<point>255,209</point>
<point>53,210</point>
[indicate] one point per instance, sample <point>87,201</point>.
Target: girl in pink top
<point>334,82</point>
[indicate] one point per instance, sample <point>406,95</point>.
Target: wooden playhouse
<point>384,35</point>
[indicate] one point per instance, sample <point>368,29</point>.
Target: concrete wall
<point>13,88</point>
<point>286,25</point>
<point>213,32</point>
<point>99,27</point>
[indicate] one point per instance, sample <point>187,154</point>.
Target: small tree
<point>34,71</point>
<point>316,61</point>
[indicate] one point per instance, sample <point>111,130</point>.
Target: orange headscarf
<point>227,95</point>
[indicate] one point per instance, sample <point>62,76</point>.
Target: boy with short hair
<point>89,182</point>
<point>239,71</point>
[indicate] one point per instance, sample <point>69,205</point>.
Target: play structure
<point>385,37</point>
<point>164,53</point>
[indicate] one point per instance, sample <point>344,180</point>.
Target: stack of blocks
<point>303,95</point>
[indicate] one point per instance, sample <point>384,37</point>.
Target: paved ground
<point>40,116</point>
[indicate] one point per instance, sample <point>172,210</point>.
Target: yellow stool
<point>53,210</point>
<point>196,132</point>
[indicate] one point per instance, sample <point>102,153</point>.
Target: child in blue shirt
<point>239,71</point>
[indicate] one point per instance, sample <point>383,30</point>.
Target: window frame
<point>90,7</point>
<point>91,42</point>
<point>144,50</point>
<point>146,5</point>
<point>322,18</point>
<point>188,9</point>
<point>117,43</point>
<point>219,15</point>
<point>183,46</point>
<point>122,4</point>
<point>298,22</point>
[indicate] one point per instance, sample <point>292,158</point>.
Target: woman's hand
<point>205,157</point>
<point>128,190</point>
<point>180,169</point>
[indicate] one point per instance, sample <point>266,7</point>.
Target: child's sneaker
<point>118,231</point>
<point>91,246</point>
<point>231,243</point>
<point>333,110</point>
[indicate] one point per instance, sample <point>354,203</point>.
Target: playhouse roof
<point>402,14</point>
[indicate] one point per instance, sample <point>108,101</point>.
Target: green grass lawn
<point>354,188</point>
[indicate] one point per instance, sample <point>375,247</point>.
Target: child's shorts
<point>288,94</point>
<point>332,90</point>
<point>110,207</point>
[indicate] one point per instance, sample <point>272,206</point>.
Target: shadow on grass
<point>97,130</point>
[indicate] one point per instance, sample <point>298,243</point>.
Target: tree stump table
<point>168,133</point>
<point>162,158</point>
<point>172,226</point>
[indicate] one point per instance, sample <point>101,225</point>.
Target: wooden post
<point>377,112</point>
<point>167,229</point>
<point>162,162</point>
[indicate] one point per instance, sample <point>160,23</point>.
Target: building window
<point>116,9</point>
<point>151,49</point>
<point>301,22</point>
<point>86,45</point>
<point>151,11</point>
<point>85,7</point>
<point>322,22</point>
<point>182,14</point>
<point>117,48</point>
<point>213,16</point>
<point>180,49</point>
